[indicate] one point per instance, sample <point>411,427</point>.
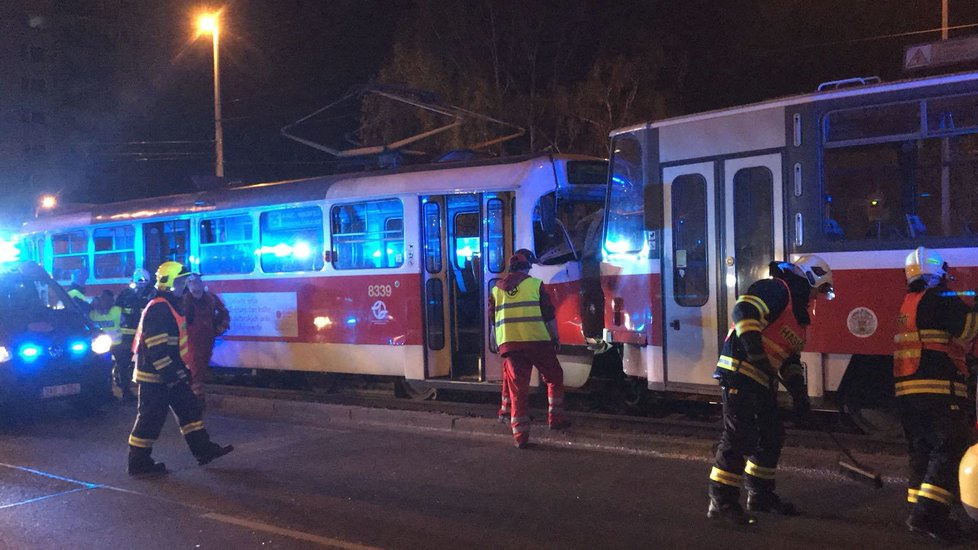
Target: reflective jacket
<point>768,308</point>
<point>161,345</point>
<point>109,322</point>
<point>930,343</point>
<point>518,316</point>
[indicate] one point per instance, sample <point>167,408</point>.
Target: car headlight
<point>102,344</point>
<point>4,354</point>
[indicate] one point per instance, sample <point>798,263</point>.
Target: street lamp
<point>210,23</point>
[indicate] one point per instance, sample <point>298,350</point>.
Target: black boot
<point>140,462</point>
<point>770,502</point>
<point>937,526</point>
<point>211,451</point>
<point>731,512</point>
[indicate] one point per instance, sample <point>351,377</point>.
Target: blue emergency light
<point>30,352</point>
<point>78,348</point>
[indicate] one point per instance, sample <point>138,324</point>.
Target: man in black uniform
<point>132,300</point>
<point>930,380</point>
<point>764,345</point>
<point>163,378</point>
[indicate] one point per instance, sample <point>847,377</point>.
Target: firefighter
<point>931,391</point>
<point>762,347</point>
<point>525,334</point>
<point>132,300</point>
<point>163,378</point>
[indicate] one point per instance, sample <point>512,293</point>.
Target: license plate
<point>58,391</point>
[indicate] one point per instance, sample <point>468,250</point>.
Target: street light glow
<point>48,202</point>
<point>207,23</point>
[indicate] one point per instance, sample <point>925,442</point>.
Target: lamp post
<point>211,23</point>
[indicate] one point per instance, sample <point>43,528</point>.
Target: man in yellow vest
<point>930,379</point>
<point>525,334</point>
<point>161,373</point>
<point>108,318</point>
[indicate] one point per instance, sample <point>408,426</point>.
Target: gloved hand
<point>793,378</point>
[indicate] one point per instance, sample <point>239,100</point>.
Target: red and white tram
<point>860,175</point>
<point>381,273</point>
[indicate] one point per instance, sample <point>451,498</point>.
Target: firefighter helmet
<point>923,263</point>
<point>168,273</point>
<point>140,276</point>
<point>968,481</point>
<point>815,270</point>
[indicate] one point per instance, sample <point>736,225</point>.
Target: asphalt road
<point>63,485</point>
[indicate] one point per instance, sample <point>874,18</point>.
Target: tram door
<point>689,274</point>
<point>754,222</point>
<point>465,239</point>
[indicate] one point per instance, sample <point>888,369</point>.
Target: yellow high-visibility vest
<point>110,322</point>
<point>518,315</point>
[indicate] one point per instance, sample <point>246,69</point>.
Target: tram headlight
<point>102,344</point>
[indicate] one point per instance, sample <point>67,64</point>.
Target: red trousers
<point>517,367</point>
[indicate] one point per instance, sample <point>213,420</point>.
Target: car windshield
<point>28,295</point>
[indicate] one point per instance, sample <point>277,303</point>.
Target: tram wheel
<point>415,390</point>
<point>636,395</point>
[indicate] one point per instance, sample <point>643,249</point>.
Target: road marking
<point>35,499</point>
<point>85,486</point>
<point>299,535</point>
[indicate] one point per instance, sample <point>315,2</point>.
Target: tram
<point>375,273</point>
<point>860,172</point>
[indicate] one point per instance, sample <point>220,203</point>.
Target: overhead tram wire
<point>865,39</point>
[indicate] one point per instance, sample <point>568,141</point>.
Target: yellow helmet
<point>168,272</point>
<point>924,263</point>
<point>968,481</point>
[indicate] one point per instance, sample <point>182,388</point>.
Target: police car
<point>49,349</point>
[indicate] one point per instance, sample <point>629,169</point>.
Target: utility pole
<point>945,149</point>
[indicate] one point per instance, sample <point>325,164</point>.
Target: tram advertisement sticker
<point>862,322</point>
<point>262,314</point>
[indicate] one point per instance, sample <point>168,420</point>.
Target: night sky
<point>282,59</point>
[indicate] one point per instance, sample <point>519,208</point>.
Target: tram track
<point>702,424</point>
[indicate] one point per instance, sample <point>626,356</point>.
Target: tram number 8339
<point>379,291</point>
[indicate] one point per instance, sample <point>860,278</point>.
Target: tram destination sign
<point>945,52</point>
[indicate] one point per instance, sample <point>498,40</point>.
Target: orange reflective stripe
<point>183,341</point>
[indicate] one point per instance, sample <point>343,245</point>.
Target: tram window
<point>579,216</point>
<point>115,251</point>
<point>875,121</point>
<point>291,240</point>
<point>434,314</point>
<point>894,190</point>
<point>689,230</point>
<point>495,239</point>
<point>952,114</point>
<point>432,237</point>
<point>165,241</point>
<point>69,254</point>
<point>467,247</point>
<point>227,245</point>
<point>626,220</point>
<point>367,235</point>
<point>753,196</point>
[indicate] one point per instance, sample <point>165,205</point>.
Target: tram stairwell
<point>468,311</point>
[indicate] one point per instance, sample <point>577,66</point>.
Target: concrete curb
<point>607,438</point>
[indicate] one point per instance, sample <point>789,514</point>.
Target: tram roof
<point>444,178</point>
<point>809,97</point>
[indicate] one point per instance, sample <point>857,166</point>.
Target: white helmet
<point>140,276</point>
<point>924,263</point>
<point>816,271</point>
